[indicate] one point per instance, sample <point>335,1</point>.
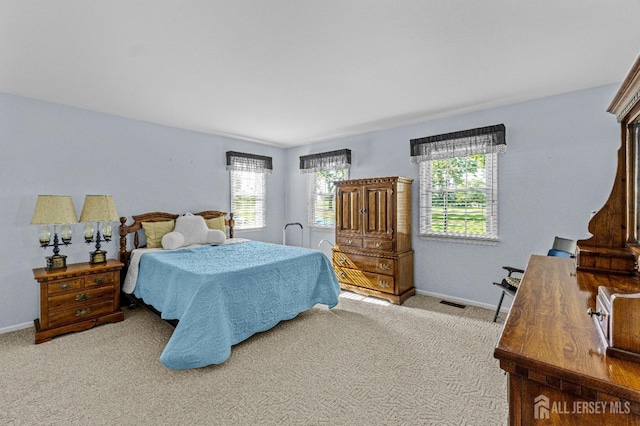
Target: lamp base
<point>98,256</point>
<point>57,261</point>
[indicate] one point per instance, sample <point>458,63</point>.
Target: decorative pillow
<point>154,231</point>
<point>193,228</point>
<point>217,223</point>
<point>216,236</point>
<point>172,240</point>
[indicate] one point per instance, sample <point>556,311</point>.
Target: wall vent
<point>456,305</point>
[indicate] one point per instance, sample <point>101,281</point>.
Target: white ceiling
<point>292,72</point>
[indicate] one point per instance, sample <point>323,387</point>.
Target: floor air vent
<point>456,305</point>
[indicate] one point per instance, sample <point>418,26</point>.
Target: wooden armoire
<point>373,254</point>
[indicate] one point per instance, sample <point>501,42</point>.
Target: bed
<point>220,294</point>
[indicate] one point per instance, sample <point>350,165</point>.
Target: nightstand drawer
<point>80,313</point>
<point>73,300</point>
<point>99,279</point>
<point>385,283</point>
<point>379,265</point>
<point>64,285</point>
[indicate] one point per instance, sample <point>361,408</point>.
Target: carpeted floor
<point>365,362</point>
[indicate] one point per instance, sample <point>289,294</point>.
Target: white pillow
<point>193,228</point>
<point>216,236</point>
<point>172,240</point>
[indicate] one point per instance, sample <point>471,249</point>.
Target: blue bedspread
<point>224,294</point>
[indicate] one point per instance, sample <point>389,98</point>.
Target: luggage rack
<point>284,233</point>
<point>325,241</point>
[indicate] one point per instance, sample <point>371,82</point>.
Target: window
<point>459,183</point>
<point>321,197</point>
<point>323,169</point>
<point>248,189</point>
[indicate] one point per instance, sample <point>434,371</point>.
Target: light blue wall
<point>559,166</point>
<point>52,149</point>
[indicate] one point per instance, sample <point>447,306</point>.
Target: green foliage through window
<point>321,197</point>
<point>458,197</point>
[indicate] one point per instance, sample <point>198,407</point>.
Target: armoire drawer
<point>378,265</point>
<point>369,243</point>
<point>384,283</point>
<point>350,242</point>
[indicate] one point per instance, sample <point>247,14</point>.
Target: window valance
<point>332,160</point>
<point>242,162</point>
<point>483,140</point>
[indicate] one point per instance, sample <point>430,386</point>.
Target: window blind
<point>322,170</point>
<point>248,188</point>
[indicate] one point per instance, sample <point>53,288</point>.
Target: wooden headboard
<point>136,226</point>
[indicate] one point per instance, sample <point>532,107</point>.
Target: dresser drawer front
<point>366,263</point>
<point>80,313</point>
<point>386,245</point>
<point>60,286</point>
<point>350,242</point>
<point>99,279</point>
<point>76,299</point>
<point>358,278</point>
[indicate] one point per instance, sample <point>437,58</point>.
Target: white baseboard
<point>16,327</point>
<point>462,301</point>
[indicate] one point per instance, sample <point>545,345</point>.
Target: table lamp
<point>54,210</point>
<point>98,208</point>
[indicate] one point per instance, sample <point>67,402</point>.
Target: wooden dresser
<point>559,373</point>
<point>373,254</point>
<point>567,340</point>
<point>77,298</point>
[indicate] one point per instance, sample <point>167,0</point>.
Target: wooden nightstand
<point>77,298</point>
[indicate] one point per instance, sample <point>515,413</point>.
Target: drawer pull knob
<point>349,242</point>
<point>83,312</point>
<point>378,245</point>
<point>343,275</point>
<point>98,280</point>
<point>82,297</point>
<point>342,260</point>
<point>385,266</point>
<point>597,313</point>
<point>64,286</point>
<point>384,284</point>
